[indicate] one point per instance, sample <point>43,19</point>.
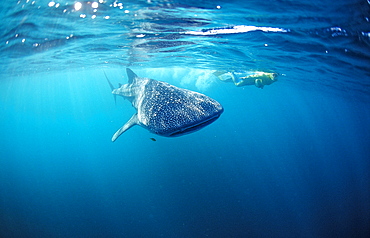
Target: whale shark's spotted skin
<point>164,109</point>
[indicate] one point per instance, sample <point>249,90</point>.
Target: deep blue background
<point>289,160</point>
<point>280,162</point>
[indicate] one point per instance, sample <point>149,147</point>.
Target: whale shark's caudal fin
<point>112,88</point>
<point>131,75</point>
<point>132,122</point>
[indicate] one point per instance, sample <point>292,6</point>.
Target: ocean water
<point>289,160</point>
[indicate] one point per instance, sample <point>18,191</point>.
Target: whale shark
<point>164,109</point>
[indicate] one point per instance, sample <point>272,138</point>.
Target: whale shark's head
<point>170,111</point>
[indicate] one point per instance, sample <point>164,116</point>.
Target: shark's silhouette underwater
<point>164,109</point>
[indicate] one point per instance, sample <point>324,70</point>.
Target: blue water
<point>289,160</point>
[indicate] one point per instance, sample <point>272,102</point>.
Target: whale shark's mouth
<point>194,127</point>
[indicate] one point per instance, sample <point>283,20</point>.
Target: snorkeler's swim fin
<point>224,75</point>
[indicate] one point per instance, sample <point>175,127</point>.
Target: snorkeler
<point>243,78</point>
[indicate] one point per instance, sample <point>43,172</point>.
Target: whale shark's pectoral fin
<point>132,122</point>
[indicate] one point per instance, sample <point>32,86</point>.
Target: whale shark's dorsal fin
<point>131,75</point>
<point>132,122</point>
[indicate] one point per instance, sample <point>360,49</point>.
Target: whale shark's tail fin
<point>111,87</point>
